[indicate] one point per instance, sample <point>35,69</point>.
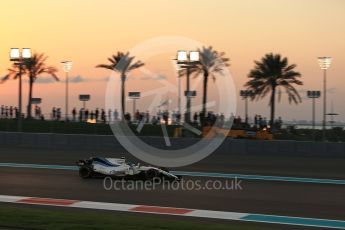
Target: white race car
<point>119,168</point>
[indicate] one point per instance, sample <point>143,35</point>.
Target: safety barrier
<point>229,146</point>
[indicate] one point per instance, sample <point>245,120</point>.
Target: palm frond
<point>4,78</point>
<point>32,68</point>
<point>122,63</point>
<point>271,72</point>
<point>105,66</point>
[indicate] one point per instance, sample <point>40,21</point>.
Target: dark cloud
<point>157,77</point>
<point>44,80</point>
<point>72,79</point>
<point>78,79</point>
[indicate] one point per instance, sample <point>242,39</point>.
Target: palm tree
<point>211,64</point>
<point>122,63</point>
<point>272,74</point>
<point>33,68</point>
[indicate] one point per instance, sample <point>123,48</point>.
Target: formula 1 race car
<point>119,168</point>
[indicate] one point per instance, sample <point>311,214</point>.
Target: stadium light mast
<point>188,60</point>
<point>67,66</point>
<point>324,63</point>
<point>19,57</point>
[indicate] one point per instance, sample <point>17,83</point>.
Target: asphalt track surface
<point>325,201</point>
<point>223,163</point>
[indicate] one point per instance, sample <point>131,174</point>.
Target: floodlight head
<point>194,56</point>
<point>67,66</point>
<point>324,62</point>
<point>14,53</point>
<point>26,53</point>
<point>182,55</point>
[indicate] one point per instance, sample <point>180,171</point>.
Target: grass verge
<point>59,219</point>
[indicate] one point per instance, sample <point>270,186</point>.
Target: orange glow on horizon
<point>88,32</point>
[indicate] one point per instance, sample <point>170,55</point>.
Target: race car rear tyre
<point>85,172</point>
<point>151,174</point>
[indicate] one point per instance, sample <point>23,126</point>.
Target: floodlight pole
<point>134,107</point>
<point>67,66</point>
<point>66,99</point>
<point>187,115</point>
<point>188,60</point>
<point>18,57</point>
<point>179,95</point>
<point>20,96</point>
<point>313,110</point>
<point>325,63</point>
<point>324,104</point>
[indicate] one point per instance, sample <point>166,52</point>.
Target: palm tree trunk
<point>204,99</point>
<point>29,108</point>
<point>273,100</point>
<point>123,79</point>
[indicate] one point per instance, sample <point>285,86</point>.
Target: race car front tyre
<point>85,172</point>
<point>151,174</point>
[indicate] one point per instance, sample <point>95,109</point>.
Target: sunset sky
<point>89,31</point>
